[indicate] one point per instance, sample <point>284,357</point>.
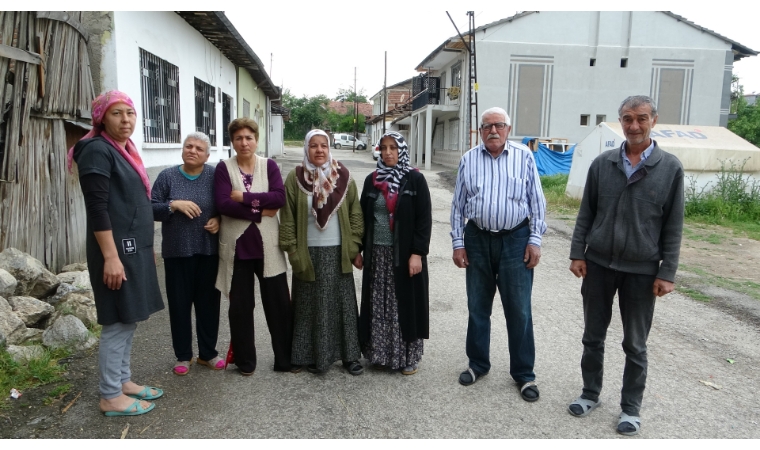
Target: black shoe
<point>469,377</point>
<point>312,368</point>
<point>353,367</point>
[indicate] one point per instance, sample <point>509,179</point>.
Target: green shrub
<point>735,197</point>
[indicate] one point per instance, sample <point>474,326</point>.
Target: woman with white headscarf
<point>321,230</point>
<point>397,227</point>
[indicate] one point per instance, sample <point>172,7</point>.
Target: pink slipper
<point>182,368</point>
<point>216,363</point>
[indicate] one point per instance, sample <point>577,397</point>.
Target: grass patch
<point>748,288</point>
<point>712,238</point>
<point>57,393</point>
<point>38,372</point>
<point>293,143</point>
<point>750,230</point>
<point>556,200</point>
<point>693,293</point>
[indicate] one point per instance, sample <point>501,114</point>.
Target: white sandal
<point>585,404</point>
<point>633,420</point>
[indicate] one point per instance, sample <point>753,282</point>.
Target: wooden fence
<point>46,93</point>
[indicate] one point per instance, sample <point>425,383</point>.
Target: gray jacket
<point>632,225</point>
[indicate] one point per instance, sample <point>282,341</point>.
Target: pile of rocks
<point>39,308</point>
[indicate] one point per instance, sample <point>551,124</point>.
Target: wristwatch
<point>170,207</point>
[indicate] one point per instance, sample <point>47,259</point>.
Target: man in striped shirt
<point>499,193</point>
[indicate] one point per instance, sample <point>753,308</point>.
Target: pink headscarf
<point>99,107</point>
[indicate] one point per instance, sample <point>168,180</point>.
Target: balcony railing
<point>425,91</point>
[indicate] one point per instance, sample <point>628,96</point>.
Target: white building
<point>559,74</point>
<point>396,103</point>
<point>185,72</point>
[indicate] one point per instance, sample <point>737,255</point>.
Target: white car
<point>346,140</point>
<point>376,152</point>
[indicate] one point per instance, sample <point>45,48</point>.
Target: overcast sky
<point>314,51</point>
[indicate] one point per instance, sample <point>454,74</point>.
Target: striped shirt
<point>498,193</point>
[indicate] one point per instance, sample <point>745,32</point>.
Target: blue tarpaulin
<point>550,162</point>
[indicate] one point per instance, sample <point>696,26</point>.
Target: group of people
<point>224,227</point>
<point>227,226</point>
<point>626,241</point>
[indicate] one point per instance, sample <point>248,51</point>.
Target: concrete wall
<point>250,92</point>
<point>100,26</point>
<point>168,36</point>
<point>649,40</point>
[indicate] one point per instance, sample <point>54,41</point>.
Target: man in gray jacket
<point>627,239</point>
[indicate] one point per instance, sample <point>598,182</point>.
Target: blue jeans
<point>498,261</point>
<point>636,301</point>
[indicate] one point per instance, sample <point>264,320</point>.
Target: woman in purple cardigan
<point>248,191</point>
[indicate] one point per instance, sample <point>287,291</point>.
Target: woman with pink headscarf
<point>120,255</point>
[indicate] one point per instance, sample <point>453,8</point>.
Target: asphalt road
<point>690,343</point>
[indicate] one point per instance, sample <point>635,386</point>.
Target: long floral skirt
<point>325,313</point>
<point>387,347</point>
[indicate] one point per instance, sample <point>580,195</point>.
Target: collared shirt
<point>629,169</point>
<point>498,193</point>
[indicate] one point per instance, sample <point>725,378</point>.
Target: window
<point>624,62</point>
<point>530,99</point>
<point>592,63</point>
<point>159,86</point>
<point>600,118</point>
<point>438,136</point>
<point>584,120</point>
<point>403,127</point>
<point>226,118</point>
<point>246,108</point>
<point>205,111</point>
<point>454,134</point>
<point>456,75</point>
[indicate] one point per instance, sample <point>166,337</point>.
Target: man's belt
<point>522,224</point>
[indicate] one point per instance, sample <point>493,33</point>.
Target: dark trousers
<point>497,261</point>
<point>636,301</point>
<point>278,311</point>
<point>190,283</point>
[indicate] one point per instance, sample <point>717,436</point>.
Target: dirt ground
<point>718,251</point>
<point>717,269</point>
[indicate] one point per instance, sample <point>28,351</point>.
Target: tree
<point>747,122</point>
<point>305,114</point>
<point>347,95</point>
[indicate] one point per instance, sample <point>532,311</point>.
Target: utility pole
<point>385,89</point>
<point>356,113</point>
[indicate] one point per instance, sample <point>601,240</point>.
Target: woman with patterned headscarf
<point>321,230</point>
<point>120,255</point>
<point>397,225</point>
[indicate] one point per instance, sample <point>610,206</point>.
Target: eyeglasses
<point>498,125</point>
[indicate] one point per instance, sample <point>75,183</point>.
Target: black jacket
<point>411,235</point>
<point>632,225</point>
